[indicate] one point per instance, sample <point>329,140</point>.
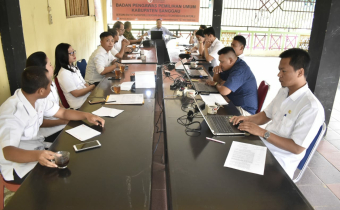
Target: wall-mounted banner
<point>167,10</point>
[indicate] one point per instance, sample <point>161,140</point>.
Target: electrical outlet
<point>50,21</point>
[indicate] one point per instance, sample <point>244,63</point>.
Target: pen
<point>215,140</point>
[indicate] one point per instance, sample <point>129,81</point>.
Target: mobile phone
<point>86,145</point>
<point>97,101</point>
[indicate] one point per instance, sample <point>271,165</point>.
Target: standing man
<point>211,47</point>
<point>295,113</point>
<point>238,44</point>
<point>159,27</point>
<point>128,35</point>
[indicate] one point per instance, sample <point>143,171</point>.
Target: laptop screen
<point>156,35</point>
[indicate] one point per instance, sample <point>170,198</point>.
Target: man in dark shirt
<point>234,78</point>
<point>128,35</point>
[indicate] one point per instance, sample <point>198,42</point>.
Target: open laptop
<point>194,73</point>
<point>200,87</point>
<point>219,125</point>
<point>156,35</point>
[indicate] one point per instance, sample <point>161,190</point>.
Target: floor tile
<point>333,157</point>
<point>328,174</point>
<point>334,125</point>
<point>318,161</point>
<point>320,196</point>
<point>326,147</point>
<point>309,178</point>
<point>335,188</point>
<point>335,143</point>
<point>332,135</point>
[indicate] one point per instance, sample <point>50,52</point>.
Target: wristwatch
<point>216,83</point>
<point>266,135</point>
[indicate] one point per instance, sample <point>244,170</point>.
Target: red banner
<point>167,10</point>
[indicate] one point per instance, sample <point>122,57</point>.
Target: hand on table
<point>95,119</point>
<point>211,83</point>
<point>45,157</point>
<point>252,128</point>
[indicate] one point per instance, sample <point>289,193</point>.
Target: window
<point>76,8</point>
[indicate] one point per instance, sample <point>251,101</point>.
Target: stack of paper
<point>83,132</point>
<point>107,112</point>
<point>125,99</point>
<point>145,79</point>
<point>212,99</point>
<point>126,85</point>
<point>131,61</point>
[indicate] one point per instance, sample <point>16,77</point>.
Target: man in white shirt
<point>238,44</point>
<point>119,26</point>
<point>295,113</point>
<point>211,47</point>
<point>159,27</point>
<point>101,61</point>
<point>20,118</point>
<point>124,43</point>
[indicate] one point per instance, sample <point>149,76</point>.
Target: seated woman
<point>73,85</point>
<point>51,126</point>
<point>200,44</point>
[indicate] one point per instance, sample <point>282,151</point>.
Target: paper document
<point>83,132</point>
<point>212,99</point>
<point>131,61</point>
<point>246,157</point>
<point>126,85</point>
<point>132,56</point>
<point>125,99</point>
<point>195,54</point>
<point>107,112</point>
<point>145,79</point>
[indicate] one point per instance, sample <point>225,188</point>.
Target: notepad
<point>126,85</point>
<point>107,112</point>
<point>145,79</point>
<point>131,61</point>
<point>125,99</point>
<point>212,99</point>
<point>82,132</point>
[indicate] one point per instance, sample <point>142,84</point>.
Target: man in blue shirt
<point>234,78</point>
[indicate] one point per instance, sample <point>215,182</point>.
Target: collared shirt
<point>128,35</point>
<point>98,61</point>
<point>19,125</point>
<point>114,52</point>
<point>70,81</point>
<point>118,45</point>
<point>241,56</point>
<point>213,52</point>
<point>165,31</point>
<point>242,83</point>
<point>297,117</point>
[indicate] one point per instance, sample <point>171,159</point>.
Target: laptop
<point>199,86</point>
<point>219,125</point>
<point>156,35</point>
<point>194,73</point>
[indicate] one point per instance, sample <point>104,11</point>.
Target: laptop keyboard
<point>220,123</point>
<point>201,87</point>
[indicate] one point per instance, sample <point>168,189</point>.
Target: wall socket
<point>50,20</point>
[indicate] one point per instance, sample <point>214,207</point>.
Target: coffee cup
<point>116,89</point>
<point>143,57</point>
<point>212,108</point>
<point>134,46</point>
<point>193,64</point>
<point>117,73</point>
<point>61,159</point>
<point>191,93</point>
<point>122,69</point>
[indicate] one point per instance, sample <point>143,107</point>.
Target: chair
<point>261,94</point>
<point>9,186</point>
<point>310,151</point>
<point>61,94</point>
<point>81,64</point>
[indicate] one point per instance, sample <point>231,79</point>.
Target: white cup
<point>212,109</point>
<point>179,93</point>
<point>191,93</point>
<point>142,52</point>
<point>143,57</point>
<point>193,64</point>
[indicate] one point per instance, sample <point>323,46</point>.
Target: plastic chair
<point>310,151</point>
<point>261,94</point>
<point>9,186</point>
<point>61,94</point>
<point>81,64</point>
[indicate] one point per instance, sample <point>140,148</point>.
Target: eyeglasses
<point>72,53</point>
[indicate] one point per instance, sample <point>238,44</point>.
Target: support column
<point>217,17</point>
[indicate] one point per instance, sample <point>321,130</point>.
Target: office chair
<point>81,64</point>
<point>61,94</point>
<point>261,94</point>
<point>9,186</point>
<point>310,151</point>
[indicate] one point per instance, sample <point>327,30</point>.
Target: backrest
<point>82,67</point>
<point>261,94</point>
<point>310,151</point>
<point>61,94</point>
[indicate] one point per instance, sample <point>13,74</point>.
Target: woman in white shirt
<point>74,87</point>
<point>50,125</point>
<point>200,42</point>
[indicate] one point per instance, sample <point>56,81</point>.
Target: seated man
<point>101,61</point>
<point>295,113</point>
<point>159,27</point>
<point>211,47</point>
<point>20,118</point>
<point>238,44</point>
<point>119,26</point>
<point>234,78</point>
<point>128,35</point>
<point>118,54</point>
<point>193,38</point>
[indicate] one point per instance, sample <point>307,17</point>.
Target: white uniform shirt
<point>114,52</point>
<point>241,56</point>
<point>47,131</point>
<point>213,52</point>
<point>118,45</point>
<point>70,81</point>
<point>19,125</point>
<point>297,117</point>
<point>98,61</point>
<point>165,31</point>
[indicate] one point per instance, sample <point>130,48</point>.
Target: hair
<point>203,26</point>
<point>200,33</point>
<point>209,31</point>
<point>37,59</point>
<point>241,40</point>
<point>112,32</point>
<point>117,25</point>
<point>159,19</point>
<point>33,78</point>
<point>226,50</point>
<point>127,24</point>
<point>298,59</point>
<point>62,58</point>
